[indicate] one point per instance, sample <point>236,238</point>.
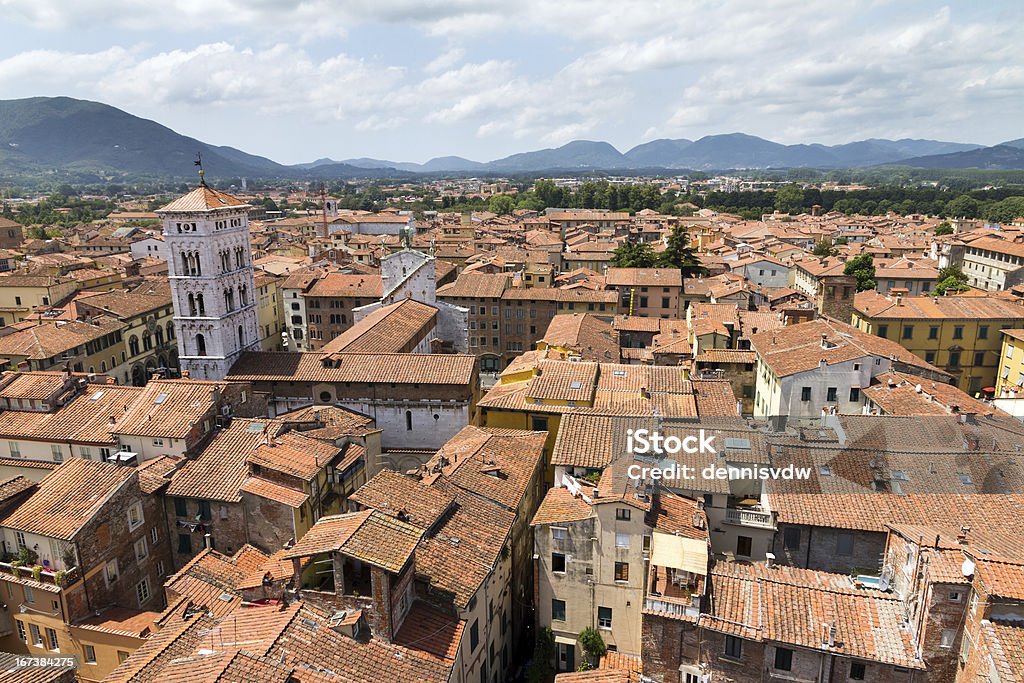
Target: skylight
<point>576,385</point>
<point>161,398</point>
<point>97,396</point>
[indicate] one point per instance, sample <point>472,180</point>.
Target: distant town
<point>382,429</point>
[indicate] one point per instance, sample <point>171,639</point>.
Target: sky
<point>407,80</point>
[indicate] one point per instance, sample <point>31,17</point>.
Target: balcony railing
<point>749,517</point>
<point>672,609</point>
<point>66,578</point>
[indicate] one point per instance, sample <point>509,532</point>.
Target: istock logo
<point>645,441</point>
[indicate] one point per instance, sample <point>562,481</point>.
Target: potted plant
<point>58,578</point>
<point>37,572</point>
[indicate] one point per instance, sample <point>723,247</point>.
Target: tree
<point>963,206</point>
<point>863,268</point>
<point>944,228</point>
<point>1006,210</point>
<point>951,280</point>
<point>633,255</point>
<point>680,254</point>
<point>501,204</point>
<point>592,645</point>
<point>823,248</point>
<point>542,667</point>
<point>789,199</point>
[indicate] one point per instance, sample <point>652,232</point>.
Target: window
<point>743,546</point>
<point>30,595</point>
<point>854,394</point>
<point>883,331</point>
<point>983,332</point>
<point>791,538</point>
<point>908,332</point>
<point>733,647</point>
<point>783,659</point>
<point>180,507</point>
<point>56,453</point>
<point>956,596</point>
<point>831,394</point>
<point>857,671</point>
<point>37,636</point>
<point>142,591</point>
<point>933,332</point>
<point>204,510</point>
<point>135,518</point>
<point>15,449</point>
<point>805,394</point>
<point>90,654</point>
<point>474,635</point>
<point>622,514</point>
<point>622,571</point>
<point>408,420</point>
<point>558,562</point>
<point>111,571</point>
<point>979,358</point>
<point>948,636</point>
<point>604,617</point>
<point>621,540</point>
<point>51,640</point>
<point>965,648</point>
<point>538,424</point>
<point>557,610</point>
<point>1009,351</point>
<point>121,656</point>
<point>954,358</point>
<point>185,544</point>
<point>141,550</point>
<point>559,533</point>
<point>19,537</point>
<point>844,543</point>
<point>21,630</point>
<point>929,356</point>
<point>958,332</point>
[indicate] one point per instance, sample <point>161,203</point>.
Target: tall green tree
<point>951,280</point>
<point>963,206</point>
<point>501,204</point>
<point>863,268</point>
<point>823,248</point>
<point>633,255</point>
<point>680,254</point>
<point>1006,210</point>
<point>789,199</point>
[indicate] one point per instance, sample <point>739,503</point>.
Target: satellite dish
<point>967,569</point>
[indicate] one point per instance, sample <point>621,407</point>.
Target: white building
<point>206,234</point>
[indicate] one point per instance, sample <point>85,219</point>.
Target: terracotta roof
<point>294,454</point>
<point>369,536</point>
<point>84,419</point>
<point>429,629</point>
<point>203,198</point>
<point>218,471</point>
<point>475,286</point>
<point>342,285</point>
<point>897,394</point>
<point>1005,644</point>
<point>34,386</point>
<point>877,306</point>
<point>43,341</point>
<point>68,498</point>
<point>372,368</point>
<point>169,408</point>
<point>405,498</point>
<point>593,339</point>
<point>389,329</point>
<point>798,348</point>
<point>12,487</point>
<point>559,506</point>
<point>264,488</point>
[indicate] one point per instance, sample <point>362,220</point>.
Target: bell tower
<point>209,262</point>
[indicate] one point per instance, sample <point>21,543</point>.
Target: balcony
<point>676,610</point>
<point>750,516</point>
<point>66,578</point>
<point>673,593</point>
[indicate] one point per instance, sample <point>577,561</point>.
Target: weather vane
<point>199,162</point>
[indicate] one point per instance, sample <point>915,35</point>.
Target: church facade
<point>206,235</point>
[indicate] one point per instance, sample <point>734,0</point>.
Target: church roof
<point>203,198</point>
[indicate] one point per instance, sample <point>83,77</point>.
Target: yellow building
<point>21,294</point>
<point>960,334</point>
<point>269,312</point>
<point>96,345</point>
<point>1010,382</point>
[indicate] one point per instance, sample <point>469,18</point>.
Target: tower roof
<point>203,198</point>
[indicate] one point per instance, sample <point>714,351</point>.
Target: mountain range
<point>43,134</point>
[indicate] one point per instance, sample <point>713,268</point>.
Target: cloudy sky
<point>407,80</point>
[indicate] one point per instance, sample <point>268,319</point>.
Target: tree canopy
<point>680,254</point>
<point>633,255</point>
<point>863,268</point>
<point>951,280</point>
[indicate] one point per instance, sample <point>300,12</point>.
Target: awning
<point>677,552</point>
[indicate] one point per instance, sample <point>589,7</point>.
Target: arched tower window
<point>133,345</point>
<point>191,304</point>
<point>241,338</point>
<point>200,345</point>
<point>199,264</point>
<point>159,336</point>
<point>170,325</point>
<point>408,420</point>
<point>243,296</point>
<point>202,304</point>
<point>147,341</point>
